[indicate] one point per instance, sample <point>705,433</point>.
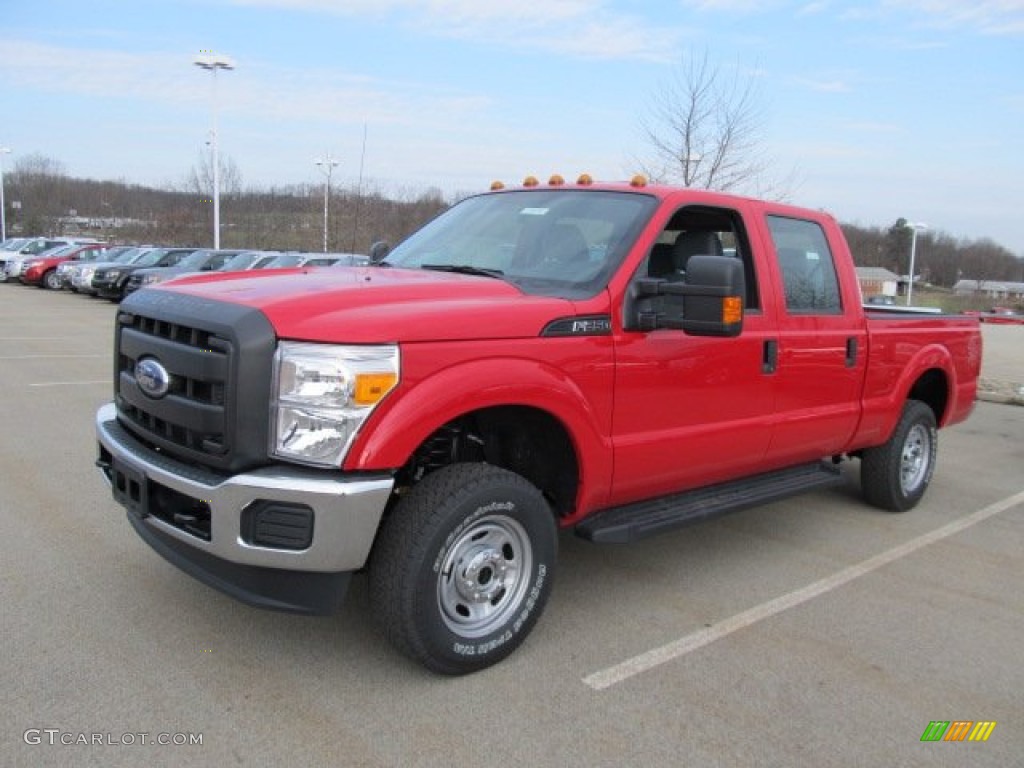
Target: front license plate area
<point>131,489</point>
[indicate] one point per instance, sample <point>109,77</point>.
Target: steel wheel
<point>484,577</point>
<point>463,566</point>
<point>914,464</point>
<point>895,475</point>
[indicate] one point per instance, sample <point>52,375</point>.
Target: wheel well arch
<point>932,389</point>
<point>523,439</point>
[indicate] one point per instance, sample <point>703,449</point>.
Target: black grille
<point>218,357</point>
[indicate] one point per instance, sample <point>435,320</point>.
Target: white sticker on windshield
<point>812,256</point>
<point>534,211</point>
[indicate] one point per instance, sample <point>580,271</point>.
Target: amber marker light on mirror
<point>732,310</point>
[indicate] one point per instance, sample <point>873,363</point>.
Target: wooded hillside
<point>42,199</point>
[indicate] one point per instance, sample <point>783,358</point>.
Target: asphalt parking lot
<point>815,632</point>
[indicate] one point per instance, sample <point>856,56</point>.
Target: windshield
<point>240,261</point>
<point>555,242</point>
<point>193,262</point>
<point>129,256</point>
<point>150,258</point>
<point>284,260</point>
<point>59,250</point>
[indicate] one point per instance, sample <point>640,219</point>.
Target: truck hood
<point>375,305</point>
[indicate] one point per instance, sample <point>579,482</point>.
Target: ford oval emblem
<point>152,378</point>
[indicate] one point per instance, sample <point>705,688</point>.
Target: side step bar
<point>619,525</point>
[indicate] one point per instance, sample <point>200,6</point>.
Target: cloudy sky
<point>873,110</point>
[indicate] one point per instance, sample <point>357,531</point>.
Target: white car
<point>30,247</point>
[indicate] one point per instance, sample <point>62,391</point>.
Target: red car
<point>42,270</point>
<point>1002,316</point>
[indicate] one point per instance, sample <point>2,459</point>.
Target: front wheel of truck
<point>895,475</point>
<point>463,567</point>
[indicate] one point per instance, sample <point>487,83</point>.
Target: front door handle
<point>851,352</point>
<point>770,356</point>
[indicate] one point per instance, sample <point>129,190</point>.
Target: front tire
<point>895,475</point>
<point>51,280</point>
<point>463,567</point>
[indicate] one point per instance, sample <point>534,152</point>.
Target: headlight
<point>147,279</point>
<point>112,274</point>
<point>322,395</point>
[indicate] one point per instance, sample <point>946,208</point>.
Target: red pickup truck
<point>616,360</point>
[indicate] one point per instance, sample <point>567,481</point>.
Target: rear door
<point>821,358</point>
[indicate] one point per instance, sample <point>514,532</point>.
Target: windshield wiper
<point>464,269</point>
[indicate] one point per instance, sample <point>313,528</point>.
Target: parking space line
<point>644,662</point>
<point>68,383</point>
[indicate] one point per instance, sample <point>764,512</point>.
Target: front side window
<point>547,242</point>
<point>807,266</point>
<point>698,230</point>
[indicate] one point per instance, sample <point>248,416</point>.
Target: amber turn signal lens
<point>732,310</point>
<point>371,387</point>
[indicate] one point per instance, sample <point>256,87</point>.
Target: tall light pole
<point>212,62</point>
<point>326,164</point>
<point>3,206</point>
<point>914,226</point>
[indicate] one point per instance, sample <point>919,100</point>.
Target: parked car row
<point>113,272</point>
<point>999,316</point>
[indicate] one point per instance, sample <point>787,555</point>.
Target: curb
<point>1006,392</point>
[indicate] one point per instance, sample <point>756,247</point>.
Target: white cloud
<point>578,28</point>
<point>254,90</point>
<point>990,17</point>
<point>987,17</point>
<point>824,86</point>
<point>810,9</point>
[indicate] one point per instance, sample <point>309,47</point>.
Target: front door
<point>692,410</point>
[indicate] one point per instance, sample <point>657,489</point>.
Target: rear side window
<point>808,269</point>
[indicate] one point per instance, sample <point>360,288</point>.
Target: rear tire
<point>895,475</point>
<point>51,280</point>
<point>463,567</point>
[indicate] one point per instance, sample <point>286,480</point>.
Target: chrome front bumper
<point>346,512</point>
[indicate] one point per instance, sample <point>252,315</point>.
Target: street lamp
<point>212,62</point>
<point>914,226</point>
<point>326,164</point>
<point>3,207</point>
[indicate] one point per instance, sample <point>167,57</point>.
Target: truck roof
<point>640,185</point>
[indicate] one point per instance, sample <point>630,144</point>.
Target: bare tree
<point>705,129</point>
<point>200,179</point>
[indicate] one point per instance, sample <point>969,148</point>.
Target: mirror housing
<point>709,303</point>
<point>379,251</point>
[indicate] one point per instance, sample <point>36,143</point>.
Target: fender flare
<point>888,410</point>
<point>412,413</point>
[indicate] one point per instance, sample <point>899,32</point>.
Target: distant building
<point>877,281</point>
<point>993,289</point>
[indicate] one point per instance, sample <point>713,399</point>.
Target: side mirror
<point>379,251</point>
<point>709,303</point>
